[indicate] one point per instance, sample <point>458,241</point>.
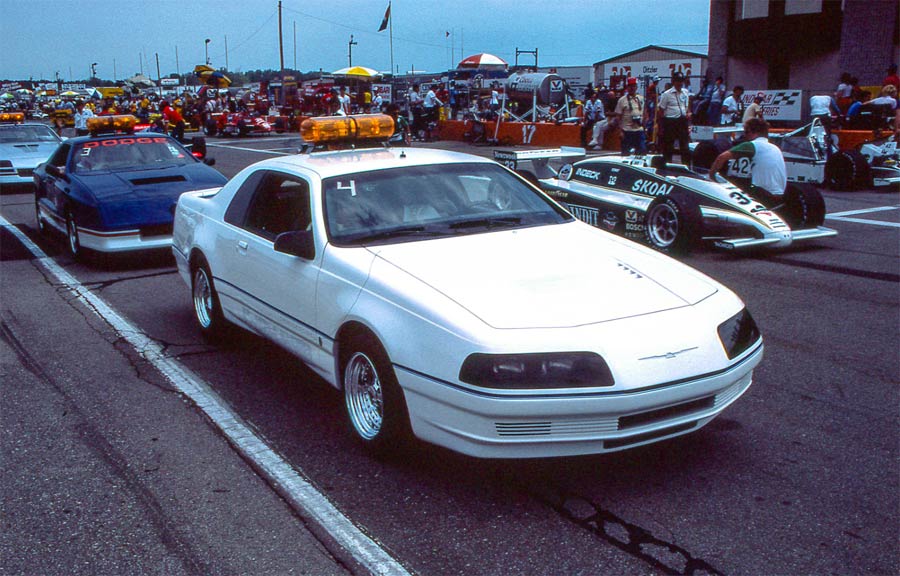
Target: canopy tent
<point>483,60</point>
<point>361,71</point>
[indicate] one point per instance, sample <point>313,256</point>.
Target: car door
<point>52,189</point>
<point>276,291</point>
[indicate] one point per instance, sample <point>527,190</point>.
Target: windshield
<point>27,133</point>
<point>130,153</point>
<point>427,201</point>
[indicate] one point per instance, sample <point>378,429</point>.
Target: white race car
<point>451,300</point>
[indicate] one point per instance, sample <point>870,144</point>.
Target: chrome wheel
<point>363,395</point>
<point>662,225</point>
<point>203,298</point>
<point>41,226</point>
<point>72,235</point>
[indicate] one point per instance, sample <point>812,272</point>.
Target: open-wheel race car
<point>806,157</point>
<point>669,206</point>
<point>229,124</point>
<point>884,161</point>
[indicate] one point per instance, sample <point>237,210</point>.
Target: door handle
<point>242,246</point>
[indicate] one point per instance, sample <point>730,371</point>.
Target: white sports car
<point>453,301</point>
<point>22,148</point>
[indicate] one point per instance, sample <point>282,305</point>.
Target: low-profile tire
<point>707,151</point>
<point>804,206</point>
<point>847,170</point>
<point>673,224</point>
<point>73,240</point>
<point>207,308</point>
<point>41,225</point>
<point>374,402</point>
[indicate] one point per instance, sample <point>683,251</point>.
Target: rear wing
<point>540,159</point>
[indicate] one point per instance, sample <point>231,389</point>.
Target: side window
<point>237,210</point>
<point>59,157</point>
<point>281,204</point>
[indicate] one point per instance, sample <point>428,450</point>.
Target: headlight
<point>535,371</point>
<point>738,333</point>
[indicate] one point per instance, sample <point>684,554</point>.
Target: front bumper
<point>149,238</point>
<point>567,425</point>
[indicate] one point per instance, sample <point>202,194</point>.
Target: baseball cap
<point>677,76</point>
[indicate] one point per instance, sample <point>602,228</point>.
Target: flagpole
<point>391,34</point>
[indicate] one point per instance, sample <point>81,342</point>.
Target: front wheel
<point>41,225</point>
<point>73,241</point>
<point>804,207</point>
<point>673,224</point>
<point>847,170</point>
<point>207,309</point>
<point>376,408</point>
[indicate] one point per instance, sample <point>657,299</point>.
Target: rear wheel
<point>707,151</point>
<point>673,224</point>
<point>804,207</point>
<point>207,309</point>
<point>847,170</point>
<point>376,407</point>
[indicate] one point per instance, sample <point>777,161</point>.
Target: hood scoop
<point>157,180</point>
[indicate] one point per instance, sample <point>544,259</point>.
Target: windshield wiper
<point>496,222</point>
<point>397,233</point>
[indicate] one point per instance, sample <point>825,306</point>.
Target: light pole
<point>350,46</point>
<point>93,70</point>
<point>206,47</point>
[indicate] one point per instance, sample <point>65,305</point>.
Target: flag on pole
<point>387,16</point>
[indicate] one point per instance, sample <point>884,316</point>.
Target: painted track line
<point>846,216</point>
<point>244,149</point>
<point>303,497</point>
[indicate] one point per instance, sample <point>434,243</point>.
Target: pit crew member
<point>764,160</point>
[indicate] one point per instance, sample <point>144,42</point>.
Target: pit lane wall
<point>547,134</point>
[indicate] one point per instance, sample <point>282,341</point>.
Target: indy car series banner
<point>777,104</point>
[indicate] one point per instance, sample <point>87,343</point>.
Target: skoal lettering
<point>651,188</point>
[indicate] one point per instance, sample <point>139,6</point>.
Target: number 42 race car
<point>668,206</point>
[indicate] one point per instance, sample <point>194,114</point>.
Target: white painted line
<point>863,211</point>
<point>864,221</point>
<point>303,496</point>
<point>246,149</point>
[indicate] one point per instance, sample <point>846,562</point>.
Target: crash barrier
<point>520,133</point>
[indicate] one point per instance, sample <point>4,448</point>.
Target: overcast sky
<point>40,37</point>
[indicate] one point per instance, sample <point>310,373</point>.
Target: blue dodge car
<point>116,192</point>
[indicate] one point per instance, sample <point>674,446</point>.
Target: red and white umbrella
<point>483,60</point>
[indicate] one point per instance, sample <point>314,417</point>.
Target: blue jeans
<point>633,139</point>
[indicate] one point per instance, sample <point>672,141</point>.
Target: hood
<point>550,276</point>
<point>27,154</point>
<point>142,197</point>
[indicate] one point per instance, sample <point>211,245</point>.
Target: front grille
<point>26,172</point>
<point>557,428</point>
<point>638,438</point>
<point>157,230</point>
<point>667,413</point>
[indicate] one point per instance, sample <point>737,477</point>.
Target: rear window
<point>133,152</point>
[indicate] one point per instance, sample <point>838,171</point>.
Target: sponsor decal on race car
<point>585,214</point>
<point>631,216</point>
<point>610,220</point>
<point>589,174</point>
<point>565,173</point>
<point>651,188</point>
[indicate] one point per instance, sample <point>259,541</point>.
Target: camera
<point>635,119</point>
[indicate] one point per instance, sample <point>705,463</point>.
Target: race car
<point>883,158</point>
<point>450,300</point>
<point>115,191</point>
<point>228,124</point>
<point>805,158</point>
<point>669,206</point>
<point>22,148</point>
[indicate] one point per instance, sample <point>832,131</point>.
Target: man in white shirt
<point>767,171</point>
<point>81,117</point>
<point>593,112</point>
<point>733,106</point>
<point>344,100</point>
<point>674,114</point>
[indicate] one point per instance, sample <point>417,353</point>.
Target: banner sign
<point>384,90</point>
<point>662,68</point>
<point>777,104</point>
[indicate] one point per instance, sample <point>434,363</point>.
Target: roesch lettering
<point>585,173</point>
<point>651,188</point>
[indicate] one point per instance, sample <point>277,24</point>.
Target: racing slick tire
<point>673,224</point>
<point>211,128</point>
<point>207,308</point>
<point>804,206</point>
<point>707,151</point>
<point>374,402</point>
<point>847,170</point>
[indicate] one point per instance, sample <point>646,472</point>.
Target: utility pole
<point>281,54</point>
<point>158,76</point>
<point>226,51</point>
<point>350,46</point>
<point>295,45</point>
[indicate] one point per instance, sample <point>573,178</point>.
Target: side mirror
<point>296,243</point>
<point>58,171</point>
